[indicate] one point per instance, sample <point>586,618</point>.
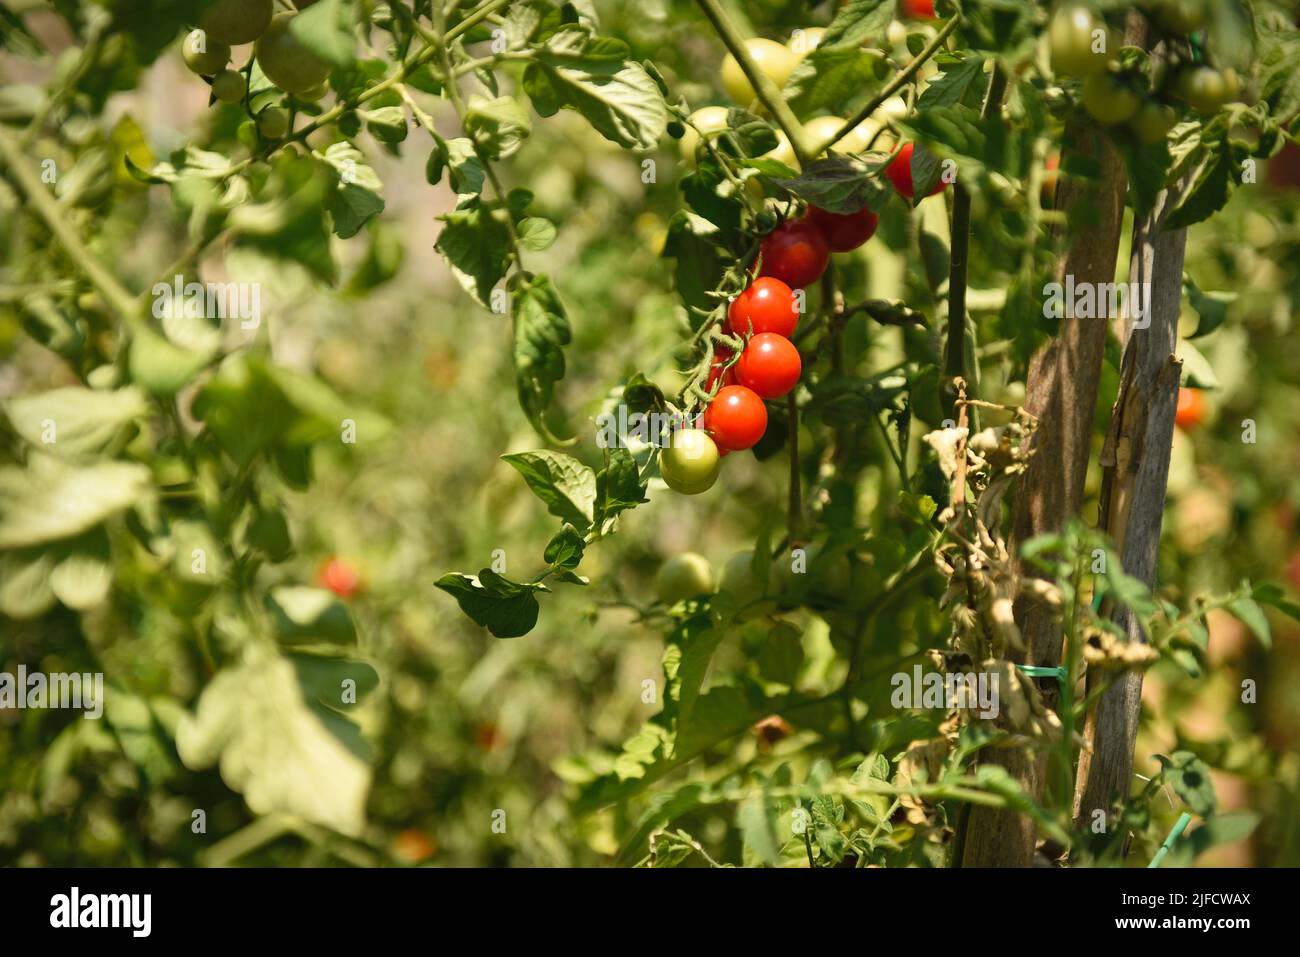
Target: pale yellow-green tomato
<point>684,576</point>
<point>894,108</point>
<point>804,41</point>
<point>228,86</point>
<point>236,21</point>
<point>775,60</point>
<point>709,119</point>
<point>783,152</point>
<point>202,54</point>
<point>273,122</point>
<point>896,33</point>
<point>691,463</point>
<point>738,578</point>
<point>286,62</point>
<point>314,94</point>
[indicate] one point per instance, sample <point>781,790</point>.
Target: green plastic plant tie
<point>1042,671</point>
<point>1179,826</point>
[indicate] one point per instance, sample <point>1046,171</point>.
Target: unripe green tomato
<point>236,21</point>
<point>804,41</point>
<point>208,60</point>
<point>709,119</point>
<point>314,94</point>
<point>774,60</point>
<point>1153,122</point>
<point>286,62</point>
<point>1204,88</point>
<point>738,579</point>
<point>690,464</point>
<point>1072,34</point>
<point>683,576</point>
<point>1108,99</point>
<point>1179,16</point>
<point>228,86</point>
<point>273,122</point>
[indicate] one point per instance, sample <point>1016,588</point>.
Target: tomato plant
<point>342,341</point>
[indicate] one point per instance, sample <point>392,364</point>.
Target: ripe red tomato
<point>736,418</point>
<point>844,231</point>
<point>1191,409</point>
<point>769,366</point>
<point>795,253</point>
<point>899,172</point>
<point>768,305</point>
<point>721,357</point>
<point>917,9</point>
<point>339,577</point>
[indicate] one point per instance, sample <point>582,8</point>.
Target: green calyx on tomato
<point>684,576</point>
<point>768,305</point>
<point>690,464</point>
<point>286,62</point>
<point>1109,99</point>
<point>1081,43</point>
<point>736,418</point>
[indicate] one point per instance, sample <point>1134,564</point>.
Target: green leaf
<point>1254,618</point>
<point>858,22</point>
<point>618,488</point>
<point>1208,192</point>
<point>83,576</point>
<point>1211,307</point>
<point>1190,778</point>
<point>272,745</point>
<point>325,28</point>
<point>781,655</point>
<point>1227,828</point>
<point>829,76</point>
<point>51,499</point>
<point>505,608</point>
<point>566,485</point>
<point>498,126</point>
<point>758,829</point>
<point>476,244</point>
<point>25,588</point>
<point>565,548</point>
<point>302,614</point>
<point>950,87</point>
<point>159,365</point>
<point>1279,80</point>
<point>584,73</point>
<point>139,734</point>
<point>701,261</point>
<point>840,184</point>
<point>336,683</point>
<point>351,207</point>
<point>541,330</point>
<point>536,233</point>
<point>74,422</point>
<point>386,123</point>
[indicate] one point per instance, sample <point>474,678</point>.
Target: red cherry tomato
<point>736,418</point>
<point>918,9</point>
<point>721,357</point>
<point>795,253</point>
<point>339,577</point>
<point>769,366</point>
<point>768,305</point>
<point>1191,409</point>
<point>844,231</point>
<point>900,174</point>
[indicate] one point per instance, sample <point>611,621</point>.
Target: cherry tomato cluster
<point>1083,45</point>
<point>283,58</point>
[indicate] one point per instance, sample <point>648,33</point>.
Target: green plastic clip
<point>1181,825</point>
